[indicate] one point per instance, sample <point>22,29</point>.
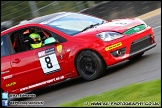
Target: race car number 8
<point>48,61</point>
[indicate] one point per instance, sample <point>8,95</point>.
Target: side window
<point>59,38</point>
<point>4,47</point>
<point>17,40</point>
<point>32,38</point>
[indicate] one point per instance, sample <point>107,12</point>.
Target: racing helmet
<point>36,41</point>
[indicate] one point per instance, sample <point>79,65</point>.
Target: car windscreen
<point>73,23</point>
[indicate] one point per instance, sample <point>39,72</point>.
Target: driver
<point>36,41</point>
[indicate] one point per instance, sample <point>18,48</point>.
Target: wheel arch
<point>75,58</point>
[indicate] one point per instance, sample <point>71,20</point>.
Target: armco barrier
<point>121,9</point>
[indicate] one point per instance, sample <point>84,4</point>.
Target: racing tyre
<point>136,57</point>
<point>90,65</point>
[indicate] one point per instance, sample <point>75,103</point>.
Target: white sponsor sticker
<point>48,61</point>
<point>120,23</point>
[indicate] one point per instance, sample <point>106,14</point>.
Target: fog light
<point>119,52</point>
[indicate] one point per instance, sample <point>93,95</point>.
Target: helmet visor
<point>36,40</point>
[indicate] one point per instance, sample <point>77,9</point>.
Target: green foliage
<point>146,94</point>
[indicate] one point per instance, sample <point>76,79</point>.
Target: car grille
<point>140,44</point>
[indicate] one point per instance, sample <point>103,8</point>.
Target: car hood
<point>118,25</point>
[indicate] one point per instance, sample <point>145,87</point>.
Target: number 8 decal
<point>48,61</point>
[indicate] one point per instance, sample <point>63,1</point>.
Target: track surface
<point>146,68</point>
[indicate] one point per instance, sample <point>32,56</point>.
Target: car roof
<point>42,19</point>
<point>46,17</point>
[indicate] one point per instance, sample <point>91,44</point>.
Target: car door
<point>34,68</point>
<point>5,64</point>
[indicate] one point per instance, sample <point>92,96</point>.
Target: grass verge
<point>143,94</point>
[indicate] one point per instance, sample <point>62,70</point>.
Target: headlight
<point>108,36</point>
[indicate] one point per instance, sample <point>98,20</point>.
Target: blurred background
<point>15,12</point>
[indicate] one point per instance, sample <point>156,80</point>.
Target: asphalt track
<point>146,68</point>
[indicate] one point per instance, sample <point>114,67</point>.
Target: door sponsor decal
<point>43,83</point>
<point>10,84</point>
<point>48,61</point>
<point>59,48</point>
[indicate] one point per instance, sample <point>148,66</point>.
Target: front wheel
<point>90,65</point>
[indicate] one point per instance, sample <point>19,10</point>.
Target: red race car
<point>64,45</point>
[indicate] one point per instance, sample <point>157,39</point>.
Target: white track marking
<point>156,27</point>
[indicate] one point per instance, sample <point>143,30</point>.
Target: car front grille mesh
<point>140,44</point>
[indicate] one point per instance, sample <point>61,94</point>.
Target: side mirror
<point>50,40</point>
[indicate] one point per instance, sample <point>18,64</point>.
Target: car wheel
<point>90,65</point>
<point>136,56</point>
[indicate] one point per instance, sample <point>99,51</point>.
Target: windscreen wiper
<point>92,25</point>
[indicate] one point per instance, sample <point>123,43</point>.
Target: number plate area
<point>48,61</point>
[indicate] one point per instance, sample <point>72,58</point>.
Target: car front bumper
<point>129,46</point>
